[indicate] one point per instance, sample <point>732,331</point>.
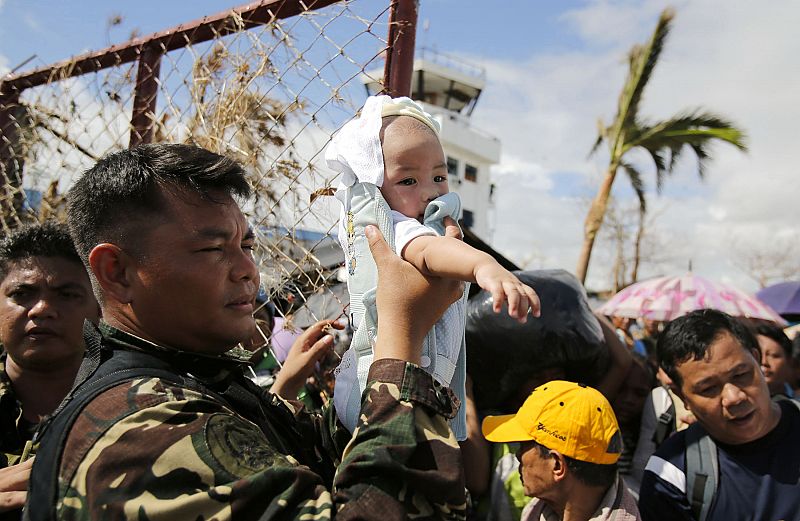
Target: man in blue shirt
<point>713,361</point>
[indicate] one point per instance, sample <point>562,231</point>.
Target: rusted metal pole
<point>402,38</point>
<point>145,96</point>
<point>207,28</point>
<point>9,128</point>
<point>11,116</point>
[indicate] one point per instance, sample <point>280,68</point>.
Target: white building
<point>449,89</point>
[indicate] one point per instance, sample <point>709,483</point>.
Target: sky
<point>553,69</point>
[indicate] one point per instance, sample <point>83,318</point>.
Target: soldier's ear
<point>113,269</point>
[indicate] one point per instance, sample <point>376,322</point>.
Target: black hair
<point>690,336</point>
<point>109,199</point>
<point>590,474</point>
<point>39,240</point>
<point>776,334</point>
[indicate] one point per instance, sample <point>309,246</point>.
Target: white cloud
<point>731,57</point>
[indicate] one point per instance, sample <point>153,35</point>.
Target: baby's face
<point>415,168</point>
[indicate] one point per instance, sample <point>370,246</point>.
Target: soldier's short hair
<point>114,200</point>
<point>38,240</point>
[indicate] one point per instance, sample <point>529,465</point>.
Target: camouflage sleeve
<point>403,460</point>
<point>147,450</point>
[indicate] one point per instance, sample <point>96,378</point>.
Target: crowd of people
<point>121,396</point>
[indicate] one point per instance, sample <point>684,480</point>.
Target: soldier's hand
<point>14,485</point>
<point>409,303</point>
<point>306,351</point>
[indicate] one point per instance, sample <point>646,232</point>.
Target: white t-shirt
<point>405,229</point>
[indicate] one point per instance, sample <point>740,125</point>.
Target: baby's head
<point>415,169</point>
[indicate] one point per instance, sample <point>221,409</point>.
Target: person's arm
<point>403,458</point>
<point>621,360</point>
<point>660,500</point>
<point>662,495</point>
<point>451,258</point>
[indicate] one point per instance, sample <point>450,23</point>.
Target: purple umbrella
<point>783,298</point>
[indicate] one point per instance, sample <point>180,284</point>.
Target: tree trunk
<point>637,247</point>
<point>594,219</point>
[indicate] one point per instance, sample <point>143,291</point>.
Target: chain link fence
<point>265,84</point>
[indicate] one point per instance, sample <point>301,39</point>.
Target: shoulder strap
<point>702,471</point>
<point>665,425</point>
<point>43,485</point>
<point>101,370</point>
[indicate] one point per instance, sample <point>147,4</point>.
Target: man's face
<point>43,303</point>
<point>535,470</point>
<point>195,280</point>
<point>776,366</point>
<point>630,399</point>
<point>414,166</point>
<point>727,393</point>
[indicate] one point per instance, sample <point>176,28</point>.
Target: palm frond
<point>641,62</point>
<point>691,127</point>
<point>637,183</point>
<point>675,150</point>
<point>602,132</point>
<point>661,165</point>
<point>702,157</point>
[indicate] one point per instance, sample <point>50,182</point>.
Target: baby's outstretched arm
<point>450,258</point>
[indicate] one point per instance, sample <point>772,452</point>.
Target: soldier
<point>45,296</point>
<point>166,426</point>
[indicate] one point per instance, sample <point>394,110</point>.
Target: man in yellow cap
<point>569,446</point>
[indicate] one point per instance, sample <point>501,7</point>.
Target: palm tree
<point>663,140</point>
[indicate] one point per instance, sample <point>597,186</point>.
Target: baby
<point>394,145</point>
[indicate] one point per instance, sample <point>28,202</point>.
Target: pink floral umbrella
<point>666,298</point>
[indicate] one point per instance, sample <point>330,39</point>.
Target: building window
<point>468,219</point>
<point>470,173</point>
<point>452,166</point>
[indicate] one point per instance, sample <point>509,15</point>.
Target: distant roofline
<point>451,62</point>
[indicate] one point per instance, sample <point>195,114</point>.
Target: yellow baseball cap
<point>571,418</point>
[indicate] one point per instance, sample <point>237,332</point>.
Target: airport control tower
<point>449,89</point>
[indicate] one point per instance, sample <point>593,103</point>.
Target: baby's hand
<point>503,285</point>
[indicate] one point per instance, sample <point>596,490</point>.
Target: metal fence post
<point>402,38</point>
<point>145,96</point>
<point>12,115</point>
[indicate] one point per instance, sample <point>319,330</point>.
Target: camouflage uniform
<point>14,430</point>
<point>150,449</point>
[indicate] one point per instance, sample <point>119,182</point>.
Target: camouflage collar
<point>237,355</point>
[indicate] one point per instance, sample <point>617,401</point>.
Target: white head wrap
<point>355,150</point>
